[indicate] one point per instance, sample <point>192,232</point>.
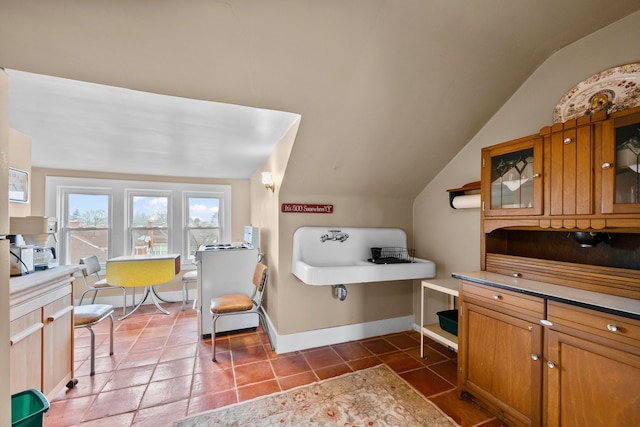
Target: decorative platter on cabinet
<point>612,90</point>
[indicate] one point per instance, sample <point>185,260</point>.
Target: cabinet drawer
<point>617,328</point>
<point>504,300</point>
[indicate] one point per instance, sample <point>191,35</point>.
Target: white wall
<point>451,238</point>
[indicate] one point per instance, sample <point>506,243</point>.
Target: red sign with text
<point>306,208</point>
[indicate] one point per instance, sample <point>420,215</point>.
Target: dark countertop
<point>620,306</point>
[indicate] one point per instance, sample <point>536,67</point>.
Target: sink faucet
<point>336,235</point>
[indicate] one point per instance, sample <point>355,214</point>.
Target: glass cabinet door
<point>621,165</point>
<point>512,183</point>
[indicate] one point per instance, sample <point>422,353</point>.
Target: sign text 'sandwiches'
<point>306,208</point>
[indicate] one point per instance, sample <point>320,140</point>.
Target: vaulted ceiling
<point>388,91</point>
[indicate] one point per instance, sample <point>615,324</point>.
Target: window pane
<point>88,242</point>
<point>203,211</point>
<point>202,236</point>
<point>142,236</point>
<point>150,211</point>
<point>87,210</point>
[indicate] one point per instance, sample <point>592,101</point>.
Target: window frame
<point>185,216</point>
<point>63,214</point>
<point>130,227</point>
<point>119,237</point>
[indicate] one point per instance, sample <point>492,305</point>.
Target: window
<point>85,223</point>
<point>149,223</point>
<point>109,218</point>
<point>202,222</point>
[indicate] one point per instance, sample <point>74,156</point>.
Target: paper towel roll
<point>468,201</point>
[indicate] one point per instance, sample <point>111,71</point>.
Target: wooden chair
<point>230,304</point>
<point>92,268</point>
<point>85,316</point>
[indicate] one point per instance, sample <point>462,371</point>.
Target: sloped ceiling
<point>388,91</point>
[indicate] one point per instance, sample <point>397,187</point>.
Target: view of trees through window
<point>86,227</point>
<point>150,225</point>
<point>111,218</point>
<point>204,224</point>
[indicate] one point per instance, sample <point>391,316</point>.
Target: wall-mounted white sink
<point>322,256</point>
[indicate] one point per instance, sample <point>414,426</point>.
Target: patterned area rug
<point>372,397</point>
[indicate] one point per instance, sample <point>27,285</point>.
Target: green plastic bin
<point>28,408</point>
<point>449,321</point>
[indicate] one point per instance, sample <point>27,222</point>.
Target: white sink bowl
<point>320,263</point>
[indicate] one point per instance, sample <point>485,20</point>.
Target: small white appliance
<point>252,236</point>
<point>21,260</point>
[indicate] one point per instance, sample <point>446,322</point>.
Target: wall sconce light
<point>267,180</point>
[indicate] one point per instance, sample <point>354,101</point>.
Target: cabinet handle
<point>55,316</point>
<point>497,297</point>
<point>536,175</point>
<point>567,141</point>
<point>534,357</point>
<point>517,275</point>
<point>25,333</point>
<point>606,165</point>
<point>612,327</point>
<point>545,322</point>
<point>551,365</point>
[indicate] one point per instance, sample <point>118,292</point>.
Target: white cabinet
<point>41,328</point>
<point>433,330</point>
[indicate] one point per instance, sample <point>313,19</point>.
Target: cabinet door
<point>569,165</point>
<point>590,384</point>
<point>500,362</point>
<point>619,168</point>
<point>57,365</point>
<point>512,178</point>
<point>26,352</point>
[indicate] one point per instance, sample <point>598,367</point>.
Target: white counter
<point>38,289</point>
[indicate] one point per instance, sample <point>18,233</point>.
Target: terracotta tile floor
<point>161,371</point>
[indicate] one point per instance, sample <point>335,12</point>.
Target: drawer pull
<point>534,357</point>
<point>25,333</point>
<point>612,327</point>
<point>55,316</point>
<point>606,165</point>
<point>497,297</point>
<point>567,141</point>
<point>545,322</point>
<point>516,275</point>
<point>551,365</point>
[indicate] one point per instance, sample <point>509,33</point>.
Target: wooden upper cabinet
<point>512,177</point>
<point>618,169</point>
<point>568,159</point>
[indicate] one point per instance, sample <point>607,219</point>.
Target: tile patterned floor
<point>161,371</point>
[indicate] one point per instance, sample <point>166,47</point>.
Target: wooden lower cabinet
<point>592,375</point>
<point>581,369</point>
<point>41,331</point>
<point>26,351</point>
<point>500,356</point>
<point>57,361</point>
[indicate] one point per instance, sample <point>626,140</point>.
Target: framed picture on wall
<point>18,186</point>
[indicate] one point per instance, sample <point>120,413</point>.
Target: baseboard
<point>336,335</point>
<point>298,341</point>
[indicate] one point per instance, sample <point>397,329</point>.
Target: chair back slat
<point>260,276</point>
<point>91,265</point>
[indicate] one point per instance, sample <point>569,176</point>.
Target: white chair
<point>92,268</point>
<point>187,278</point>
<point>230,304</point>
<point>85,316</point>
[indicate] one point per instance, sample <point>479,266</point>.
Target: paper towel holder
<point>455,192</point>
